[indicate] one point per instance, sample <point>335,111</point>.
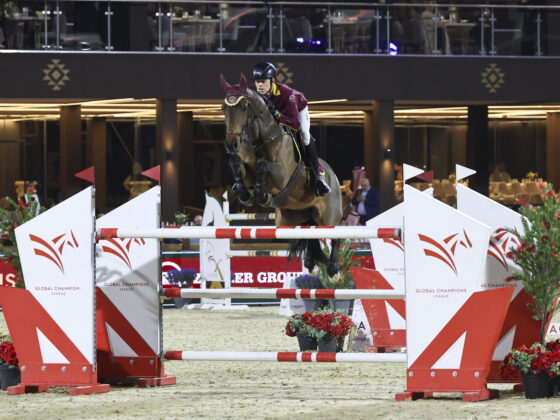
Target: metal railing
<point>282,27</point>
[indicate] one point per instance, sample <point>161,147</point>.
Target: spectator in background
<point>366,200</point>
<point>500,174</point>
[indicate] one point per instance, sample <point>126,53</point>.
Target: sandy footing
<point>263,389</point>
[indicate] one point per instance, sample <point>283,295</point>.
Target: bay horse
<point>268,170</point>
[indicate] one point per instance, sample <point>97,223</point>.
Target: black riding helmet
<point>264,71</point>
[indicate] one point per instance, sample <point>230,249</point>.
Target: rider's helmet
<point>264,70</point>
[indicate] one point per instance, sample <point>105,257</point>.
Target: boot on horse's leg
<point>262,197</point>
<point>238,187</point>
<point>313,160</point>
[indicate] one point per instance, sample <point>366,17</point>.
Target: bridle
<point>244,134</point>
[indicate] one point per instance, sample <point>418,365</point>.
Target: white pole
<point>243,292</point>
<point>262,356</point>
<point>257,232</point>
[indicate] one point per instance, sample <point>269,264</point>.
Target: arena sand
<point>240,390</point>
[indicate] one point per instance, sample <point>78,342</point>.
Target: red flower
<point>521,202</point>
<point>532,248</point>
<point>509,255</point>
<point>549,194</point>
<point>545,238</point>
<point>541,185</point>
<point>31,190</point>
<point>5,235</point>
<point>532,208</point>
<point>508,279</point>
<point>8,353</point>
<point>553,244</point>
<point>557,216</point>
<point>10,258</point>
<point>21,206</point>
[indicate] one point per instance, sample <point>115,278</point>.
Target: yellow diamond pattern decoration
<point>493,77</point>
<point>283,73</point>
<point>56,74</point>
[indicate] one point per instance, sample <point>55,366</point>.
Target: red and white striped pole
<point>265,356</point>
<point>241,292</point>
<point>257,232</point>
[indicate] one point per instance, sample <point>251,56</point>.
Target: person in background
<point>366,200</point>
<point>197,221</point>
<point>500,174</point>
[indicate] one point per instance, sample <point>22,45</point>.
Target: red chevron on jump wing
<point>53,250</point>
<point>443,254</point>
<point>394,242</point>
<point>500,242</point>
<point>121,248</point>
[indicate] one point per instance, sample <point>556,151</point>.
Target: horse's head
<point>236,112</point>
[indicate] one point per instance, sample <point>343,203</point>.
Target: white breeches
<point>304,125</point>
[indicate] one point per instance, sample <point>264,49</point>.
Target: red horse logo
<point>120,247</point>
<point>500,242</point>
<point>52,250</point>
<point>446,251</point>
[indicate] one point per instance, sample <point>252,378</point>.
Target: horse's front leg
<point>238,188</point>
<point>262,196</point>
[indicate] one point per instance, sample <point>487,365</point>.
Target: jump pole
<point>257,232</point>
<point>241,292</point>
<point>272,356</point>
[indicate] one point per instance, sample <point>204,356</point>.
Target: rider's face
<point>263,86</point>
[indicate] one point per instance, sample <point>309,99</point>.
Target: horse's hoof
<point>264,199</point>
<point>332,268</point>
<point>240,191</point>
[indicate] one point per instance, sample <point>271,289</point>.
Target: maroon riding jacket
<point>289,102</point>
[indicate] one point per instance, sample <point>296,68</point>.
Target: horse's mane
<point>254,96</point>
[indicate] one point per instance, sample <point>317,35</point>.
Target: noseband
<point>244,135</point>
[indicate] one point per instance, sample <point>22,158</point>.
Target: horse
<point>268,170</point>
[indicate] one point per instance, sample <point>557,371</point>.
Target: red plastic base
<point>518,388</point>
<point>468,396</point>
<point>403,396</point>
<point>73,391</point>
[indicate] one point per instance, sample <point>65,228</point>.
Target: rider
<point>289,107</point>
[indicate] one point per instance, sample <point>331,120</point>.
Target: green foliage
<point>181,217</point>
<point>537,255</point>
<point>15,216</point>
<point>343,279</point>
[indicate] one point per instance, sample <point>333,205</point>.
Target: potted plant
<point>539,270</point>
<point>308,281</point>
<point>183,278</point>
<point>343,278</point>
<point>321,328</point>
<point>9,364</point>
<point>537,365</point>
<point>11,218</point>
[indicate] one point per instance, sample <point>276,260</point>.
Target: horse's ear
<point>225,85</point>
<point>243,84</point>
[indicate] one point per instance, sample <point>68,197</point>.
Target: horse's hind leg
<point>332,266</point>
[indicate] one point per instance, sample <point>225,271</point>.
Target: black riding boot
<point>313,160</point>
